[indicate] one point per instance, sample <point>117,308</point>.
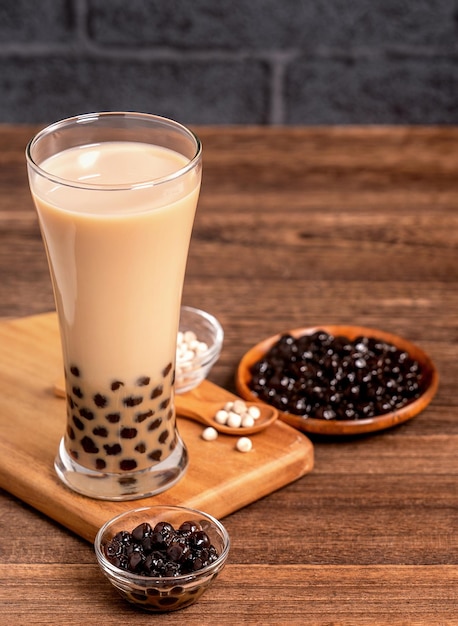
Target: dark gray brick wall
<point>232,61</point>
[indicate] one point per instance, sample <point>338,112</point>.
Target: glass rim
<point>91,117</point>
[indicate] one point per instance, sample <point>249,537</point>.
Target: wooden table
<point>295,227</point>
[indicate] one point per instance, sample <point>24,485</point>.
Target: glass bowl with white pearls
<point>199,343</point>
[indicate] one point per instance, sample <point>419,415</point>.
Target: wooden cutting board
<point>219,479</point>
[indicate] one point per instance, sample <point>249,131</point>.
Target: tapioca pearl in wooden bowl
<point>292,393</point>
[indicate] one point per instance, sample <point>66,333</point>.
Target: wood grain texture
<point>295,227</point>
<point>218,480</point>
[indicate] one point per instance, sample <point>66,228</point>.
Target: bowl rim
<point>343,427</point>
<point>160,580</point>
<point>206,357</point>
<point>213,321</point>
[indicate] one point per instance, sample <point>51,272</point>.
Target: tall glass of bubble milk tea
<point>116,195</point>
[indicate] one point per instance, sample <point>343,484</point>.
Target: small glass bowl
<point>207,329</point>
<point>166,593</point>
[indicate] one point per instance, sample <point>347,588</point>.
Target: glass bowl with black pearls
<point>162,558</point>
<point>199,343</point>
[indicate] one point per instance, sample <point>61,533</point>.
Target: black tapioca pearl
<point>155,424</point>
<point>141,417</point>
<point>100,464</point>
<point>127,481</point>
<point>112,449</point>
<point>162,552</point>
<point>75,370</point>
<point>77,392</point>
<point>166,370</point>
<point>116,384</point>
<point>366,376</point>
<point>127,465</point>
<point>113,418</point>
<point>140,447</point>
<point>132,400</point>
<point>139,597</point>
<point>70,402</point>
<point>178,590</point>
<point>165,403</point>
<point>169,415</point>
<point>78,423</point>
<point>100,400</point>
<point>86,413</point>
<point>173,444</point>
<point>167,601</point>
<point>143,381</point>
<point>163,436</point>
<point>128,433</point>
<point>157,391</point>
<point>193,592</point>
<point>155,455</point>
<point>74,454</point>
<point>173,377</point>
<point>70,432</point>
<point>100,431</point>
<point>89,446</point>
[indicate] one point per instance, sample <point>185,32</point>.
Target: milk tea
<point>117,255</point>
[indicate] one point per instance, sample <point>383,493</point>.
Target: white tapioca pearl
<point>239,407</point>
<point>234,420</point>
<point>187,356</point>
<point>181,349</point>
<point>189,336</point>
<point>244,444</point>
<point>254,411</point>
<point>209,434</point>
<point>247,421</point>
<point>201,347</point>
<point>228,406</point>
<point>221,416</point>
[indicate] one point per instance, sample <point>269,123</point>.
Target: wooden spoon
<point>203,411</point>
<point>199,408</point>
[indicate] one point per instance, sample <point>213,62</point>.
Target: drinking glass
<point>116,195</point>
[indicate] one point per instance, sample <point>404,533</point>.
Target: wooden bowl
<point>345,427</point>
